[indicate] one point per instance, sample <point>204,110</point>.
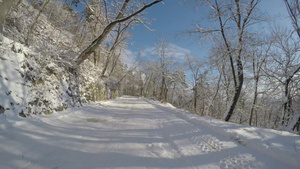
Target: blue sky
<point>176,16</point>
<point>171,19</point>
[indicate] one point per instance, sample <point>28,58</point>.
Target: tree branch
<point>92,47</point>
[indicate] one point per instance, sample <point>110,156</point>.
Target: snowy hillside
<point>38,74</point>
<point>132,132</point>
<point>31,83</point>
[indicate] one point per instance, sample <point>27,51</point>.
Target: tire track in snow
<point>177,153</point>
<point>206,143</point>
<point>203,142</point>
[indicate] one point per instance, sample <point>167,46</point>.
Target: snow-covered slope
<point>138,133</point>
<point>281,145</point>
<point>33,82</point>
<point>30,83</point>
<point>42,78</point>
<point>10,77</point>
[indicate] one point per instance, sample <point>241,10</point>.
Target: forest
<point>56,54</point>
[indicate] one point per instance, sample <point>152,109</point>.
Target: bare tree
<point>197,68</point>
<point>238,14</point>
<point>163,56</point>
<point>285,67</point>
<point>293,7</point>
<point>119,19</point>
<point>220,70</point>
<point>120,37</point>
<point>194,66</point>
<point>259,51</point>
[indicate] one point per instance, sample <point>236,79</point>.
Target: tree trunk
<point>141,91</point>
<point>95,57</point>
<point>148,85</point>
<point>295,121</point>
<point>5,6</point>
<point>111,51</point>
<point>166,93</point>
<point>35,21</point>
<point>173,92</point>
<point>195,98</point>
<point>237,92</point>
<point>254,101</point>
<point>233,103</point>
<point>154,93</point>
<point>240,79</point>
<point>256,118</point>
<point>163,81</point>
<point>287,109</point>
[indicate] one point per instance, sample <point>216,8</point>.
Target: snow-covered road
<point>137,133</point>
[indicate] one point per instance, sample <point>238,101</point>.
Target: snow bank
<point>281,145</point>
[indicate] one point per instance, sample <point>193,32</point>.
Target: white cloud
<point>148,51</point>
<point>173,51</point>
<point>128,57</point>
<point>177,52</point>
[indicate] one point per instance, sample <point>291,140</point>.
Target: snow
<point>12,89</point>
<point>26,84</point>
<point>132,132</point>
